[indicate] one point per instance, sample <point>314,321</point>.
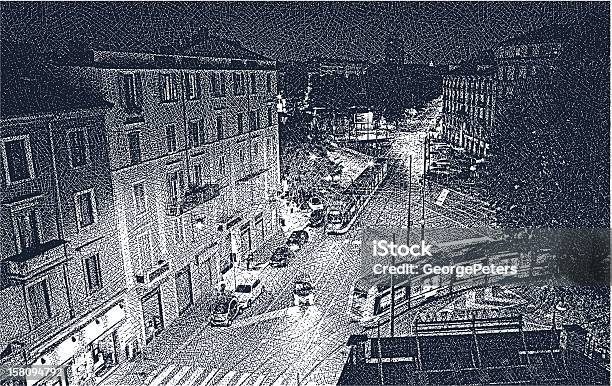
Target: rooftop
<point>547,34</point>
<point>30,88</point>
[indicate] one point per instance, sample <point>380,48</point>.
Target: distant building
<point>474,91</point>
<point>530,58</point>
<point>335,66</point>
<point>62,278</point>
<point>468,110</point>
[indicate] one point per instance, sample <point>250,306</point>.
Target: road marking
<point>259,380</point>
<point>260,318</point>
<point>194,376</point>
<point>159,378</point>
<point>178,376</point>
<point>279,381</point>
<point>442,197</point>
<point>226,379</point>
<point>206,380</point>
<point>242,378</point>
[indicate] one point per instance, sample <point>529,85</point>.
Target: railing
<point>195,196</point>
<point>33,260</point>
<point>155,273</point>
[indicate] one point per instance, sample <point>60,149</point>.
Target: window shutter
<point>138,85</point>
<point>160,84</point>
<point>174,87</point>
<point>120,90</point>
<point>198,85</point>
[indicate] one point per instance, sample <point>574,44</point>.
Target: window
<point>268,147</point>
<point>269,82</point>
<point>192,85</point>
<point>240,119</point>
<point>94,275</point>
<point>175,185</point>
<point>134,145</point>
<point>220,134</point>
<point>78,156</point>
<point>26,229</point>
<point>140,202</point>
<point>252,120</point>
<point>168,87</point>
<point>194,131</point>
<point>132,91</point>
<point>17,159</point>
<point>144,247</point>
<point>222,170</point>
<point>179,233</point>
<point>255,149</point>
<point>171,138</point>
<point>270,115</point>
<point>39,302</point>
<point>241,156</point>
<point>239,83</point>
<point>85,208</point>
<point>253,83</point>
<point>197,175</point>
<point>217,83</point>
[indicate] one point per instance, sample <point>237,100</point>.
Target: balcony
<point>252,175</point>
<point>154,273</point>
<point>33,260</point>
<point>195,196</point>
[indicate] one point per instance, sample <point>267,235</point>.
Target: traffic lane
<point>333,286</point>
<point>334,327</point>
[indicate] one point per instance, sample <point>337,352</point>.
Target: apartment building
<point>61,274</point>
<point>531,58</point>
<point>468,111</point>
<point>474,92</point>
<point>193,140</point>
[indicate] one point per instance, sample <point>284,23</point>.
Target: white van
<point>247,290</point>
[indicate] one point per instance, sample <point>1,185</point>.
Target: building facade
<point>194,157</point>
<point>469,108</point>
<point>475,90</point>
<point>62,277</point>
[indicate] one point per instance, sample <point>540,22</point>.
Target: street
<point>276,343</point>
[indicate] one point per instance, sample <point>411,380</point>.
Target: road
<point>275,343</point>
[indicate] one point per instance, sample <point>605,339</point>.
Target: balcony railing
<point>194,196</point>
<point>34,259</point>
<point>199,195</point>
<point>154,273</point>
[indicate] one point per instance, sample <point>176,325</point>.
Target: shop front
<point>83,357</point>
<point>152,314</point>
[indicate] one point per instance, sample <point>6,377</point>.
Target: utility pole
<point>424,185</point>
<point>409,289</point>
<point>409,198</point>
<point>380,367</point>
<point>392,313</point>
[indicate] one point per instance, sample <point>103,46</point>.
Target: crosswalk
<point>176,375</point>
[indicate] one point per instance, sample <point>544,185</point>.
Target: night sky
<point>438,32</point>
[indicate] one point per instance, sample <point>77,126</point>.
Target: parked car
<point>281,256</point>
<point>224,310</point>
<point>317,218</point>
<point>303,291</point>
<point>247,290</point>
<point>297,239</point>
<point>315,203</point>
